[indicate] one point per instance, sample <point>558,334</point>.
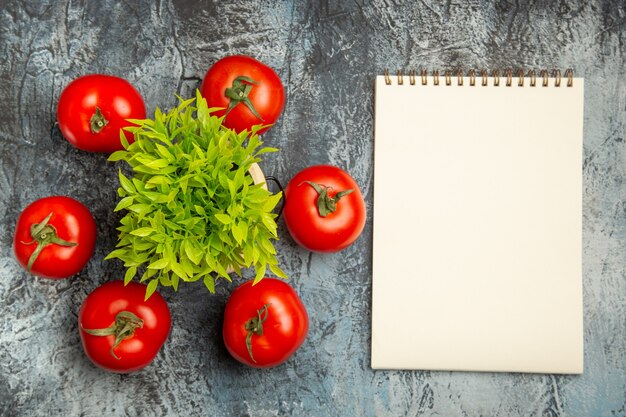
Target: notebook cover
<point>477,220</point>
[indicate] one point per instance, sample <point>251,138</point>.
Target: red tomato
<point>92,109</point>
<point>324,209</point>
<point>120,331</point>
<point>249,91</point>
<point>265,323</point>
<point>54,237</point>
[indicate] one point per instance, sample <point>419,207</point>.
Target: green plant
<point>192,209</point>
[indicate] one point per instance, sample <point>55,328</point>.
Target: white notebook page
<point>478,227</point>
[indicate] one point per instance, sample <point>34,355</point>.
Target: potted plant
<point>197,206</point>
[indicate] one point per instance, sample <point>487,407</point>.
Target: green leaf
<point>140,209</point>
<point>157,163</point>
<point>117,253</point>
<point>243,228</point>
<point>165,280</point>
<point>171,225</point>
<point>183,183</point>
<point>143,231</point>
<point>130,274</point>
<point>221,270</point>
<point>193,253</point>
<point>260,273</point>
<point>117,156</point>
<point>256,254</point>
<point>172,195</point>
<point>126,184</point>
<point>159,264</point>
<point>223,218</point>
<point>186,265</point>
<point>256,128</point>
<point>266,150</point>
<point>123,139</point>
<point>224,236</point>
<point>277,271</point>
<point>210,261</point>
<point>178,270</point>
<point>156,197</point>
<point>163,152</point>
<point>237,234</point>
<point>159,180</point>
<point>124,203</point>
<point>209,283</point>
<point>248,254</point>
<point>268,221</point>
<point>175,281</point>
<point>272,201</point>
<point>232,189</point>
<point>256,197</point>
<point>139,185</point>
<point>142,245</point>
<point>151,288</point>
<point>267,246</point>
<point>148,273</point>
<point>159,237</point>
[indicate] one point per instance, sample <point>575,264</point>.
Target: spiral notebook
<point>477,222</point>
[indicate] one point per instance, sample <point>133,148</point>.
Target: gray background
<point>327,54</point>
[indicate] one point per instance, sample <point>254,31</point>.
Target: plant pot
<point>257,175</point>
<point>166,232</point>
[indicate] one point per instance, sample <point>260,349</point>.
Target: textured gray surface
<point>327,54</point>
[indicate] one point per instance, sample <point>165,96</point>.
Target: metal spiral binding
<point>544,75</point>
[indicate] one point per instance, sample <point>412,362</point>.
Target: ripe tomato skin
<point>99,311</point>
<point>308,228</point>
<point>72,221</point>
<point>267,97</point>
<point>284,329</point>
<point>117,100</point>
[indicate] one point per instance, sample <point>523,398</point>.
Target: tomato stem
<point>238,93</point>
<point>325,203</point>
<point>44,234</point>
<point>255,326</point>
<point>123,328</point>
<point>97,121</point>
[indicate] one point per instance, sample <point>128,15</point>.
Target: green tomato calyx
<point>44,234</point>
<point>97,121</point>
<point>325,203</point>
<point>123,328</point>
<point>238,93</point>
<point>255,326</point>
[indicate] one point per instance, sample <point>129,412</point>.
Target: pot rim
<point>257,175</point>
